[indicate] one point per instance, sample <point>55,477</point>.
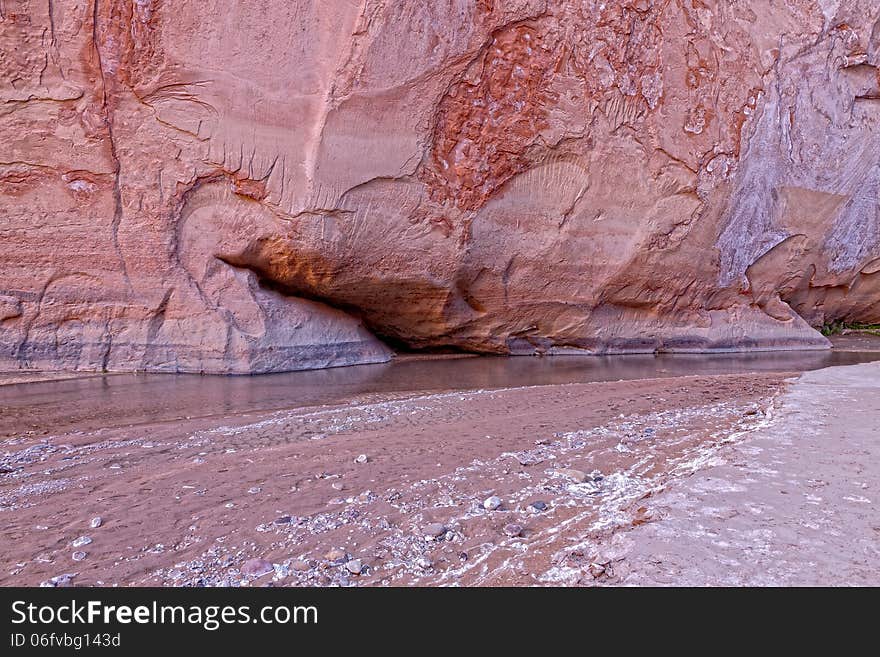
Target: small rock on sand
<point>434,530</point>
<point>513,529</point>
<point>361,459</point>
<point>59,581</point>
<point>96,522</point>
<point>79,555</point>
<point>538,506</point>
<point>335,555</point>
<point>492,503</point>
<point>355,566</point>
<point>257,568</point>
<point>82,540</point>
<point>570,473</point>
<point>301,566</point>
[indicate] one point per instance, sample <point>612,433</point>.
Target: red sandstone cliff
<point>243,187</point>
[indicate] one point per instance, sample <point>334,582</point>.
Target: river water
<point>119,400</point>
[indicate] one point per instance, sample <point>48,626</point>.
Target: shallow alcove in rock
<point>497,177</point>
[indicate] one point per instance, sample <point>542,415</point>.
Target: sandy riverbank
<point>191,502</point>
<point>598,482</point>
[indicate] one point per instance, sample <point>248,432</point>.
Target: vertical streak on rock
<point>23,344</point>
<point>108,112</point>
<point>105,357</point>
<point>311,159</point>
<point>52,22</point>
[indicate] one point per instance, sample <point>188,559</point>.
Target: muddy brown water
<point>121,400</point>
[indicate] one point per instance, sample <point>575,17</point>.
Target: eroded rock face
<point>245,187</point>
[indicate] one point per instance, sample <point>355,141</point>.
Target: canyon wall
<point>240,186</point>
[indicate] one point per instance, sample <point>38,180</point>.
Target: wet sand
<point>583,472</point>
<point>856,341</point>
<point>793,503</point>
<point>191,502</point>
<point>91,402</point>
<point>26,376</point>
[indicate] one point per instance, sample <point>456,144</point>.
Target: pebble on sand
<point>64,580</point>
<point>513,529</point>
<point>335,555</point>
<point>82,540</point>
<point>434,530</point>
<point>96,522</point>
<point>538,506</point>
<point>492,503</point>
<point>257,568</point>
<point>78,555</point>
<point>361,459</point>
<point>597,569</point>
<point>355,566</point>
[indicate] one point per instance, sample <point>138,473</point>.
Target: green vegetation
<point>837,328</point>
